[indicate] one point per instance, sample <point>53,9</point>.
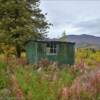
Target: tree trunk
<point>18,51</point>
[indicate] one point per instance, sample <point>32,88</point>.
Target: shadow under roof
<point>47,40</point>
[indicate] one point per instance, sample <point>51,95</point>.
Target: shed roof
<point>51,40</point>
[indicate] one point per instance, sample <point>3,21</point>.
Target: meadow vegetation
<point>49,81</point>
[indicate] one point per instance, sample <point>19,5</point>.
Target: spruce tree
<point>21,20</point>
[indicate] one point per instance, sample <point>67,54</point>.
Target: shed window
<point>51,49</point>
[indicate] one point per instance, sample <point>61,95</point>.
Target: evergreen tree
<point>21,20</point>
<point>63,37</point>
<point>64,34</point>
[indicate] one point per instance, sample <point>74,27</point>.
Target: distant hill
<point>83,41</point>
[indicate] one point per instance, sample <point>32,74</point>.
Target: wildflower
<point>64,93</point>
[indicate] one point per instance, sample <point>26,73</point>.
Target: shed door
<point>63,54</point>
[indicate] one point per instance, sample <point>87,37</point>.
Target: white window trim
<point>48,53</point>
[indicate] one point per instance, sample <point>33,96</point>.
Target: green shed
<point>51,49</point>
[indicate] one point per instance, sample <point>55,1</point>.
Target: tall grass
<point>19,81</point>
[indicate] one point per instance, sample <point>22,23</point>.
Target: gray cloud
<point>76,16</point>
<point>95,23</point>
<point>89,27</point>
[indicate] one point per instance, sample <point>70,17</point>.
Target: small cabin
<point>54,50</point>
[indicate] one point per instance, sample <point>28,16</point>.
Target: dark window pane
<point>51,50</point>
<point>51,45</point>
<point>54,45</point>
<point>48,44</point>
<point>54,50</point>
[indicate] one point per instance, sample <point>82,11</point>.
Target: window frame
<point>51,46</point>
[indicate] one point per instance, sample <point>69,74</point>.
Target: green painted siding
<point>36,51</point>
<point>41,52</point>
<point>31,52</point>
<point>63,55</point>
<point>70,54</point>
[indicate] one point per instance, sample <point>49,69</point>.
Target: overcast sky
<point>73,16</point>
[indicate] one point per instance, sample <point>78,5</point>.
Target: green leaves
<point>22,17</point>
<point>21,20</point>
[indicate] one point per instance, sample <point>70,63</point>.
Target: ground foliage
<point>48,81</point>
